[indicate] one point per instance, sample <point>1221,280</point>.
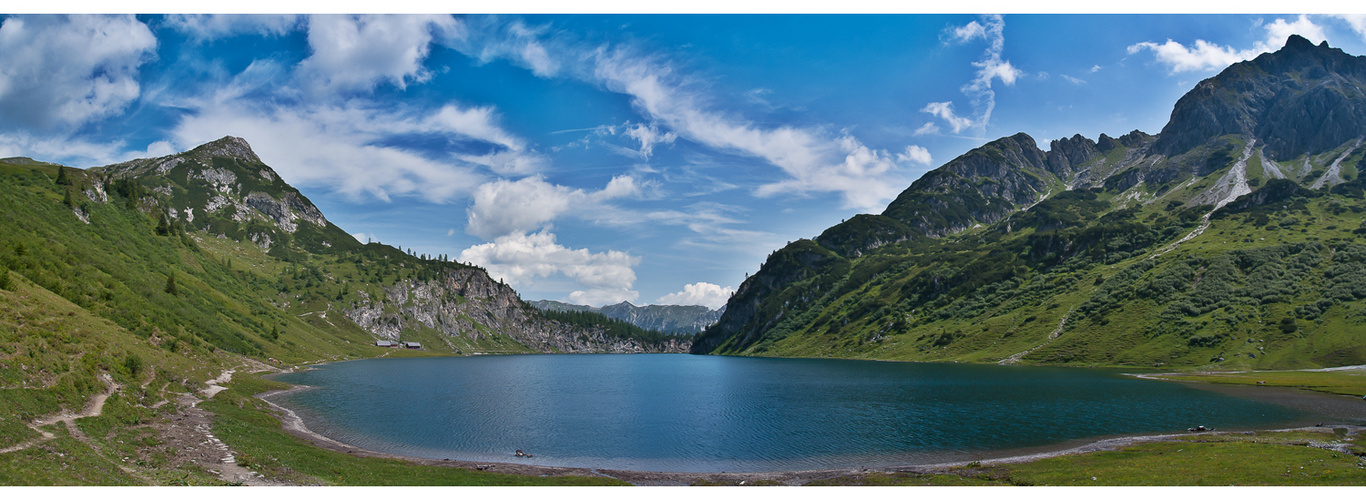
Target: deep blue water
<point>678,412</point>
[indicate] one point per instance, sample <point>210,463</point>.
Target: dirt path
<point>93,408</point>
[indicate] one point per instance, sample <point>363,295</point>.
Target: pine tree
<point>6,282</point>
<point>62,179</point>
<point>170,284</point>
<point>163,227</point>
<point>66,200</point>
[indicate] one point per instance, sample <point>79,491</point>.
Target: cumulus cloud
<point>504,207</point>
<point>1205,56</point>
<point>356,53</point>
<point>990,67</point>
<point>699,294</point>
<point>205,27</point>
<point>916,154</point>
<point>521,258</point>
<point>59,72</point>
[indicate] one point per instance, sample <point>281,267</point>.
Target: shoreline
<point>293,424</point>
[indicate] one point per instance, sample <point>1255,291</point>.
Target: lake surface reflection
<point>685,413</point>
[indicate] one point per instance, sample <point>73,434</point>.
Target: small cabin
<point>386,343</point>
<point>412,345</point>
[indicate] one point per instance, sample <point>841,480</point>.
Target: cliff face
<point>467,303</point>
<point>1302,99</point>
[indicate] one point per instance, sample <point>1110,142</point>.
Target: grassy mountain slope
<point>1227,247</point>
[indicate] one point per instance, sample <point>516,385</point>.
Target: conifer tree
<point>170,284</point>
<point>62,179</point>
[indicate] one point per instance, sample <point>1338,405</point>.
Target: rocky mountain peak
<point>229,147</point>
<point>1301,99</point>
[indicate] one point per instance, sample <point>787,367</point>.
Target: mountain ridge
<point>977,258</point>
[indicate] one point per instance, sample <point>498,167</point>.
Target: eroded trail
<point>93,408</point>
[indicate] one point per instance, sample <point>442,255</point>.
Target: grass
<point>1347,382</point>
<point>1267,458</point>
<point>245,424</point>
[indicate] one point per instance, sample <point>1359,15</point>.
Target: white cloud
<point>505,207</point>
<point>1095,68</point>
<point>356,53</point>
<point>515,41</point>
<point>969,32</point>
<point>349,146</point>
<point>65,71</point>
<point>1356,21</point>
<point>1205,56</point>
<point>450,232</point>
<point>928,128</point>
<point>330,146</point>
<point>990,67</point>
<point>712,225</point>
<point>204,27</point>
<point>916,154</point>
<point>701,293</point>
<point>649,136</point>
<point>814,160</point>
<point>521,258</point>
<point>1073,80</point>
<point>944,111</point>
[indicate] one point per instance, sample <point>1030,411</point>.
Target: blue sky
<point>601,158</point>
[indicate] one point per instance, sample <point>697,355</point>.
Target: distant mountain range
<point>1231,239</point>
<point>670,319</point>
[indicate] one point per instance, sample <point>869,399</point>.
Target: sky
<point>594,159</point>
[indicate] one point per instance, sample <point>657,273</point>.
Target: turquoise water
<point>685,413</point>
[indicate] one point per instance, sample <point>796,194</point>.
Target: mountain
<point>669,319</point>
<point>254,261</point>
<point>1231,239</point>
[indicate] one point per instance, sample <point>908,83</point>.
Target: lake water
<point>685,413</point>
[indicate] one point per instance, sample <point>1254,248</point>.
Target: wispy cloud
<point>1205,56</point>
<point>989,68</point>
<point>814,161</point>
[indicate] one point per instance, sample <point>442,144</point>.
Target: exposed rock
<point>465,302</point>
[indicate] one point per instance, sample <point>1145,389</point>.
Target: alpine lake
<point>687,413</point>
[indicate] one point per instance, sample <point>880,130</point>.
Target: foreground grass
<point>245,424</point>
<point>1267,458</point>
